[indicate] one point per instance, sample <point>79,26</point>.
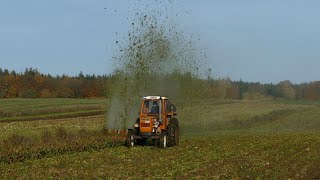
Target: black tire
<point>130,138</point>
<point>173,132</point>
<point>163,139</point>
<point>137,129</point>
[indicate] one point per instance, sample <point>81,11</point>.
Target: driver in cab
<point>155,108</point>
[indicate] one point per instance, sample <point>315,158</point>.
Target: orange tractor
<point>157,121</point>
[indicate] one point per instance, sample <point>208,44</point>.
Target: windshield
<point>150,107</point>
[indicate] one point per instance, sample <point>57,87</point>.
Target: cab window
<point>167,105</point>
<point>150,107</point>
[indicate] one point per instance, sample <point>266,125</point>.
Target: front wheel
<point>163,139</point>
<point>130,138</point>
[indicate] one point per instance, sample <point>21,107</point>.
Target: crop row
<point>18,148</point>
<point>32,108</point>
<point>83,113</point>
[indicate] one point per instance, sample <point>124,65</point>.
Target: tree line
<point>225,88</point>
<point>33,84</point>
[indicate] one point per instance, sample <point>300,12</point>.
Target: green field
<point>221,139</point>
<point>35,109</point>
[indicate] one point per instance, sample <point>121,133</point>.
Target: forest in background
<point>33,84</point>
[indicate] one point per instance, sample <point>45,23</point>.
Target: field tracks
<point>53,116</point>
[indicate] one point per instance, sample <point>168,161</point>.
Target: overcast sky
<point>256,40</point>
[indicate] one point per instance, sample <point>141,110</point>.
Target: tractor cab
<point>156,115</point>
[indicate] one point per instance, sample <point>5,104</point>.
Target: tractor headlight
<point>136,125</point>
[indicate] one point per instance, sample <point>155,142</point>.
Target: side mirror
<point>173,108</point>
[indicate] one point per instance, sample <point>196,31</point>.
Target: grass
<point>35,128</point>
<point>221,139</point>
<point>33,109</point>
<point>206,118</point>
<point>218,157</point>
<point>18,148</point>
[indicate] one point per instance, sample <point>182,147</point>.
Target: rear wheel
<point>130,138</point>
<point>173,133</point>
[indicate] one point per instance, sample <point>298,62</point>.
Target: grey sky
<point>257,40</point>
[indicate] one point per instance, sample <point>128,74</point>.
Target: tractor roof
<point>154,97</point>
